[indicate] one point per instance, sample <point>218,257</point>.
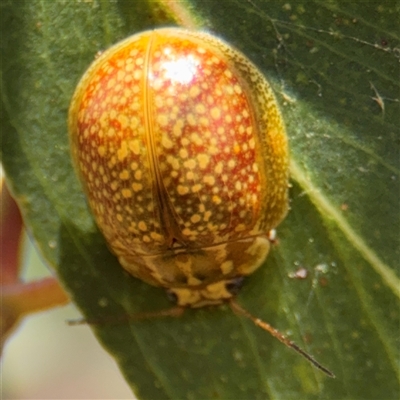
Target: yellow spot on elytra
<point>156,236</point>
<point>252,143</point>
<point>194,91</point>
<point>166,142</point>
<point>101,150</point>
<point>196,188</point>
<point>200,109</point>
<point>177,128</point>
<point>191,164</point>
<point>124,175</point>
<point>191,119</point>
<point>203,159</point>
<point>159,101</point>
<point>185,141</point>
<point>209,180</point>
<point>183,153</point>
<point>203,121</point>
<point>219,168</point>
<point>138,175</point>
<point>211,227</point>
<point>114,185</point>
<point>190,175</point>
<point>216,199</point>
<point>213,150</point>
<point>187,232</point>
<point>229,90</point>
<point>142,226</point>
<point>215,113</point>
<point>134,122</point>
<point>122,151</point>
<point>126,193</point>
<point>207,215</point>
<point>195,218</point>
<point>182,190</point>
<point>134,146</point>
<point>137,187</point>
<point>111,84</point>
<point>162,120</point>
<point>113,114</point>
<point>237,89</point>
<point>228,73</point>
<point>123,120</point>
<point>195,138</point>
<point>134,52</point>
<point>231,163</point>
<point>173,162</point>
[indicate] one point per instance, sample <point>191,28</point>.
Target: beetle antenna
<point>169,312</point>
<point>275,333</point>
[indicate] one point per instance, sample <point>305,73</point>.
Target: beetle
<point>182,152</point>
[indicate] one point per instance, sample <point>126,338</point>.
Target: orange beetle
<point>183,156</point>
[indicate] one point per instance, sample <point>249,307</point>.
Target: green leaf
<point>335,70</point>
